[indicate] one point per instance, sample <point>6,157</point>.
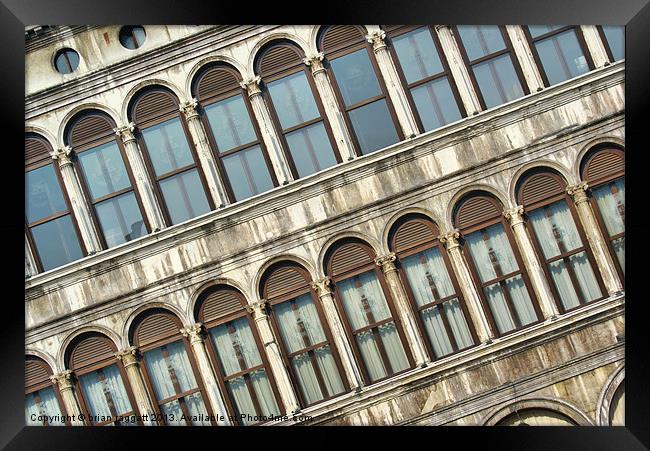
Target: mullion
<point>175,172</point>
<point>364,102</point>
<point>52,217</point>
<point>308,348</point>
<point>427,79</point>
<point>551,33</point>
<point>179,395</point>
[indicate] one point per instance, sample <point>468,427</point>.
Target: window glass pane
<point>167,366</point>
<point>356,77</point>
<point>42,402</point>
<point>611,204</point>
<point>299,323</point>
<point>43,195</point>
<point>417,55</point>
<point>247,173</point>
<point>120,219</point>
<point>235,346</point>
<point>432,319</point>
<point>458,324</point>
<point>491,252</point>
<point>436,104</point>
<point>139,34</point>
<point>555,229</point>
<point>56,242</point>
<point>481,40</point>
<point>619,249</point>
<point>230,123</point>
<point>499,308</point>
<point>241,391</point>
<point>616,40</point>
<point>562,57</point>
<point>184,196</point>
<point>104,170</point>
<point>538,30</point>
<point>373,126</point>
<point>521,300</point>
<point>585,276</point>
<point>167,146</point>
<point>363,300</point>
<point>498,81</point>
<point>102,390</point>
<point>311,150</point>
<point>427,276</point>
<point>293,100</point>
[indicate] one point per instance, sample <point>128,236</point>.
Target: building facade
<point>339,225</point>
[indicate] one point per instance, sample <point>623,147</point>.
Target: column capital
<point>578,192</point>
<point>188,108</point>
<point>515,215</point>
<point>252,85</point>
<point>126,132</point>
<point>63,380</point>
<point>450,239</point>
<point>128,356</point>
<point>322,286</point>
<point>315,61</point>
<point>387,262</point>
<point>258,309</point>
<point>194,332</point>
<point>63,156</point>
<point>440,27</point>
<point>376,38</point>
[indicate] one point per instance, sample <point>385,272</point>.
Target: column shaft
<point>30,261</point>
<point>595,45</point>
<point>525,57</point>
<point>129,358</point>
<point>66,388</point>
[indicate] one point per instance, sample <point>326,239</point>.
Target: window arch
<point>106,177</point>
<point>103,391</point>
<point>559,238</point>
<point>495,263</point>
<point>425,73</point>
<point>50,226</point>
<point>235,348</point>
<point>603,168</point>
<point>299,321</point>
<point>43,401</point>
<point>297,109</point>
<point>536,417</point>
<point>431,285</point>
<point>235,137</point>
<point>170,156</point>
<point>366,305</point>
<point>359,87</point>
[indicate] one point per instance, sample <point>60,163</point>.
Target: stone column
<point>332,111</point>
<point>323,288</point>
<point>531,262</point>
<point>404,310</point>
<point>80,207</point>
<point>66,388</point>
<point>595,45</point>
<point>269,134</point>
<point>459,71</point>
<point>136,162</point>
<point>30,261</point>
<point>195,335</point>
<point>130,359</point>
<point>395,88</point>
<point>467,286</point>
<point>280,372</point>
<point>525,57</point>
<point>595,237</point>
<point>202,145</point>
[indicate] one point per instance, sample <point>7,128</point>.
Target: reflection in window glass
<point>562,57</point>
<point>104,170</point>
<point>104,394</point>
<point>43,402</point>
<point>247,173</point>
<point>610,199</point>
<point>355,77</point>
<point>66,61</point>
<point>417,55</point>
<point>43,195</point>
<point>373,126</point>
<point>184,196</point>
<point>538,30</point>
<point>436,104</point>
<point>615,36</point>
<point>481,40</point>
<point>167,146</point>
<point>498,81</point>
<point>56,242</point>
<point>293,100</point>
<point>120,219</point>
<point>310,149</point>
<point>230,123</point>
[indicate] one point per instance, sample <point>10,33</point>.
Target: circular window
<point>66,61</point>
<point>132,36</point>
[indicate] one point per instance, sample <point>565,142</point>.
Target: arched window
<point>604,170</point>
<point>234,136</point>
<point>103,391</point>
<point>169,369</point>
<point>235,346</point>
<point>170,155</point>
<point>106,178</point>
<point>613,37</point>
<point>617,407</point>
<point>359,87</point>
<point>431,285</point>
<point>493,67</point>
<point>536,417</point>
<point>424,71</point>
<point>298,319</point>
<point>495,263</point>
<point>560,51</point>
<point>50,226</point>
<point>559,238</point>
<point>298,111</point>
<point>370,318</point>
<point>43,403</point>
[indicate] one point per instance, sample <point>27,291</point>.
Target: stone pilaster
<point>467,286</point>
<point>269,133</point>
<point>66,388</point>
<point>531,262</point>
<point>196,337</point>
<point>595,238</point>
<point>595,45</point>
<point>202,146</point>
<point>30,261</point>
<point>323,289</point>
<point>404,310</point>
<point>525,57</point>
<point>130,359</point>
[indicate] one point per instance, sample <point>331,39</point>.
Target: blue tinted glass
<point>498,81</point>
<point>538,30</point>
<point>435,103</point>
<point>355,77</point>
<point>167,146</point>
<point>67,61</point>
<point>43,195</point>
<point>56,242</point>
<point>293,100</point>
<point>481,40</point>
<point>230,123</point>
<point>310,149</point>
<point>616,40</point>
<point>562,57</point>
<point>120,219</point>
<point>417,55</point>
<point>184,196</point>
<point>373,126</point>
<point>247,173</point>
<point>104,169</point>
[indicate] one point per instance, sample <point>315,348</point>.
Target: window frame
<point>64,52</point>
<point>130,29</point>
<point>35,388</point>
<point>608,49</point>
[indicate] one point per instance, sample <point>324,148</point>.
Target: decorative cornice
<point>450,239</point>
<point>387,263</point>
<point>63,380</point>
<point>515,215</point>
<point>252,86</point>
<point>376,38</point>
<point>129,356</point>
<point>315,62</point>
<point>578,192</point>
<point>194,332</point>
<point>258,309</point>
<point>126,132</point>
<point>323,287</point>
<point>63,156</point>
<point>188,108</point>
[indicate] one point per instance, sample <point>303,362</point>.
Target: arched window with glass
<point>495,263</point>
<point>559,238</point>
<point>103,391</point>
<point>560,51</point>
<point>431,285</point>
<point>235,137</point>
<point>493,67</point>
<point>299,321</point>
<point>106,177</point>
<point>613,37</point>
<point>170,155</point>
<point>43,403</point>
<point>238,356</point>
<point>425,74</point>
<point>170,371</point>
<point>297,109</point>
<point>603,168</point>
<point>370,318</point>
<point>359,87</point>
<point>50,226</point>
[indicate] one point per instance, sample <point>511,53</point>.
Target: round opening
<point>66,61</point>
<point>132,36</point>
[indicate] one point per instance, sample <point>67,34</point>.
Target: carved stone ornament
<point>194,332</point>
<point>188,108</point>
<point>258,309</point>
<point>387,262</point>
<point>315,62</point>
<point>63,380</point>
<point>252,85</point>
<point>126,132</point>
<point>578,192</point>
<point>128,356</point>
<point>515,215</point>
<point>63,156</point>
<point>323,286</point>
<point>376,38</point>
<point>450,239</point>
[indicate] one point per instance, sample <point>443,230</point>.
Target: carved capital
<point>515,215</point>
<point>578,192</point>
<point>376,38</point>
<point>450,239</point>
<point>188,108</point>
<point>63,156</point>
<point>440,27</point>
<point>194,332</point>
<point>387,262</point>
<point>323,286</point>
<point>315,62</point>
<point>258,309</point>
<point>128,356</point>
<point>252,86</point>
<point>63,380</point>
<point>126,132</point>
